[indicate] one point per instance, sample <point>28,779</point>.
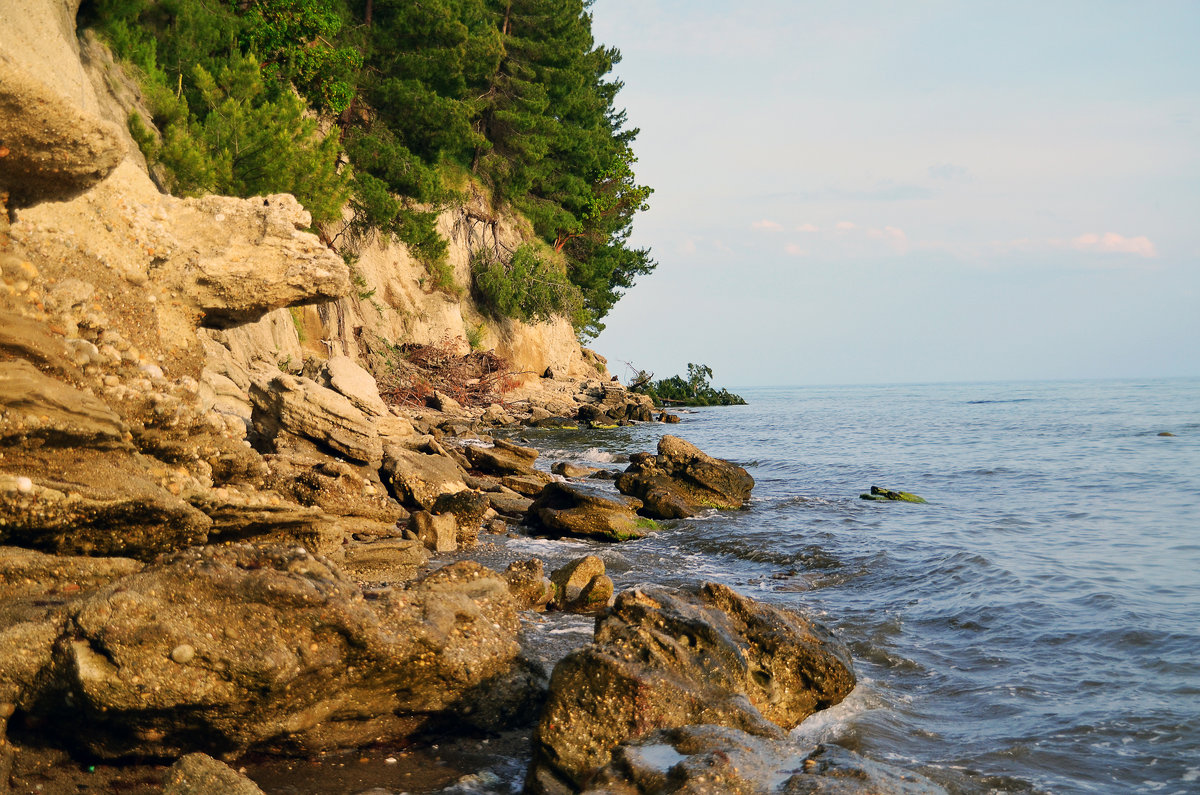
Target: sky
<point>894,192</point>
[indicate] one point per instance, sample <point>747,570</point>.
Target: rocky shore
<point>214,556</point>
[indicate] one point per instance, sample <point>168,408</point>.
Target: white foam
<point>598,455</point>
<point>828,724</point>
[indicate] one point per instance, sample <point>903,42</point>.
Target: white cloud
<point>1112,243</point>
<point>795,250</point>
<point>767,225</point>
<point>843,226</point>
<point>893,235</point>
<point>808,228</point>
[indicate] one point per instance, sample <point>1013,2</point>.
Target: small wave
<point>1008,400</point>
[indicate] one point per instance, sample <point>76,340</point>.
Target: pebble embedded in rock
<point>183,653</point>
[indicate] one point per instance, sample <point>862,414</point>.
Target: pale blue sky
<point>878,192</point>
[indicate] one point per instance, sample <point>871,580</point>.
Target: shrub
<point>526,287</point>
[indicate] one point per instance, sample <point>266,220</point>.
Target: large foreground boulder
<point>575,509</point>
<point>707,758</point>
<point>663,658</point>
<point>233,648</point>
<point>285,403</point>
<point>682,480</point>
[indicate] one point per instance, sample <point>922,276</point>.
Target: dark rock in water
<point>1165,433</point>
<point>588,511</point>
<point>569,470</point>
<point>229,648</point>
<point>200,774</point>
<point>668,418</point>
<point>663,658</point>
<point>880,494</point>
<point>682,480</point>
<point>581,586</point>
<point>709,758</point>
<point>528,584</point>
<point>509,504</point>
<point>504,458</point>
<point>561,423</point>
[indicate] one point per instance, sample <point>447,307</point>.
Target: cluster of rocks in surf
<point>202,555</point>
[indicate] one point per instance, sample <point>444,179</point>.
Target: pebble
<point>183,653</point>
<point>24,484</point>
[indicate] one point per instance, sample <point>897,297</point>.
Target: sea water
<point>1035,627</point>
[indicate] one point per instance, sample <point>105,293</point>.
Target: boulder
<point>512,504</point>
<point>663,658</point>
<point>708,758</point>
<point>581,586</point>
<point>587,511</point>
<point>880,494</point>
<point>468,508</point>
<point>417,479</point>
<point>528,584</point>
<point>503,458</point>
<point>347,377</point>
<point>332,486</point>
<point>49,149</point>
<point>38,410</point>
<point>569,470</point>
<point>438,533</point>
<point>200,774</point>
<point>301,406</point>
<point>529,485</point>
<point>682,480</point>
<point>224,649</point>
<point>243,258</point>
<point>388,560</point>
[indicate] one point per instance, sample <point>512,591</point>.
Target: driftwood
<point>479,378</point>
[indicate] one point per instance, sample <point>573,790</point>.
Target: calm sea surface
<point>1034,628</point>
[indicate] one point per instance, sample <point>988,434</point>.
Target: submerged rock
<point>664,658</point>
<point>879,494</point>
<point>708,758</point>
<point>587,511</point>
<point>682,480</point>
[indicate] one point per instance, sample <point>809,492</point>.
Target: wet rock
<point>286,656</point>
<point>512,504</point>
<point>668,418</point>
<point>504,458</point>
<point>664,658</point>
<point>437,533</point>
<point>52,151</point>
<point>200,774</point>
<point>879,494</point>
<point>581,586</point>
<point>528,584</point>
<point>1165,433</point>
<point>468,508</point>
<point>708,758</point>
<point>301,406</point>
<point>588,511</point>
<point>569,470</point>
<point>682,480</point>
<point>417,479</point>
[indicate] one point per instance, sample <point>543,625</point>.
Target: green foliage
<point>695,390</point>
<point>526,287</point>
<point>475,334</point>
<point>514,92</point>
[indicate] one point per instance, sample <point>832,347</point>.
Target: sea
<point>1034,627</point>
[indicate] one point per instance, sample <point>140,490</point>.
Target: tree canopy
<point>515,93</point>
